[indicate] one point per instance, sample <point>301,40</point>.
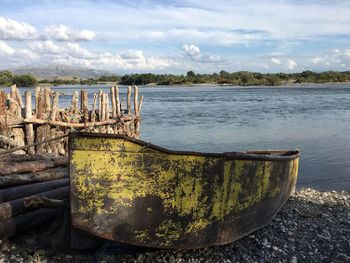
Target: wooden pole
<point>41,131</point>
<point>20,102</point>
<point>128,100</point>
<point>107,106</point>
<point>136,104</point>
<point>2,103</point>
<point>74,106</point>
<point>16,123</point>
<point>54,106</point>
<point>37,98</point>
<point>14,104</point>
<point>47,100</point>
<point>117,101</point>
<point>29,127</point>
<point>140,106</point>
<point>113,101</point>
<point>93,111</point>
<point>100,99</point>
<point>103,107</point>
<point>84,105</point>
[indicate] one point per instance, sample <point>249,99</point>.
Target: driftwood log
<point>12,193</point>
<point>27,178</point>
<point>27,221</point>
<point>15,207</point>
<point>31,166</point>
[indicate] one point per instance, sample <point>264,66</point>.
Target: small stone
<point>264,242</point>
<point>172,259</point>
<point>275,248</point>
<point>140,258</point>
<point>293,259</point>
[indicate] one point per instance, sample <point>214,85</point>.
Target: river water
<point>312,118</point>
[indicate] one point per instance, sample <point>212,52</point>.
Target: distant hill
<point>61,71</point>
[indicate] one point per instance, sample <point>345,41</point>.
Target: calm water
<point>314,119</point>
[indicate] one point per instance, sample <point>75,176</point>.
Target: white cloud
<point>75,50</point>
<point>336,59</point>
<point>276,61</point>
<point>191,50</point>
<point>66,33</point>
<point>291,64</point>
<point>132,54</point>
<point>46,47</point>
<point>6,49</point>
<point>15,30</point>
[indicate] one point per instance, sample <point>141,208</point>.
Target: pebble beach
<point>312,227</point>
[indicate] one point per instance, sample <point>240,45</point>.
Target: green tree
<point>6,78</point>
<point>26,80</point>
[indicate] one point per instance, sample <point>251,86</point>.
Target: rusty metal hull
<point>133,192</point>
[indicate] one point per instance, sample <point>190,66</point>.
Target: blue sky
<point>177,36</point>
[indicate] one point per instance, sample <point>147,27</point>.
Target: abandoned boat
<point>133,192</point>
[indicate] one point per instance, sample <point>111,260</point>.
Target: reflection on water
<point>314,119</point>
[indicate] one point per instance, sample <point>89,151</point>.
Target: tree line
<point>25,80</point>
<point>243,78</point>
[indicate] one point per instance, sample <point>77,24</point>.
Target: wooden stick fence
<point>22,124</point>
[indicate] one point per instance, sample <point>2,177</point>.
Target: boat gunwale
<point>259,155</point>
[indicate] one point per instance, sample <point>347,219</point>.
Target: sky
<point>177,36</point>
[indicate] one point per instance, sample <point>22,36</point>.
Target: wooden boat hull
<point>133,192</point>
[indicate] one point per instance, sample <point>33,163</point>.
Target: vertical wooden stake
<point>107,107</point>
<point>136,104</point>
<point>54,106</point>
<point>100,97</point>
<point>140,106</point>
<point>37,96</point>
<point>19,98</point>
<point>117,101</point>
<point>74,106</point>
<point>113,101</point>
<point>128,100</point>
<point>2,102</point>
<point>29,127</point>
<point>103,107</point>
<point>14,104</point>
<point>84,105</point>
<point>47,99</point>
<point>93,111</point>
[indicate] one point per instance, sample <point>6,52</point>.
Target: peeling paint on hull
<point>133,192</point>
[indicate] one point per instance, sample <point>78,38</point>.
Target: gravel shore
<point>312,227</point>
